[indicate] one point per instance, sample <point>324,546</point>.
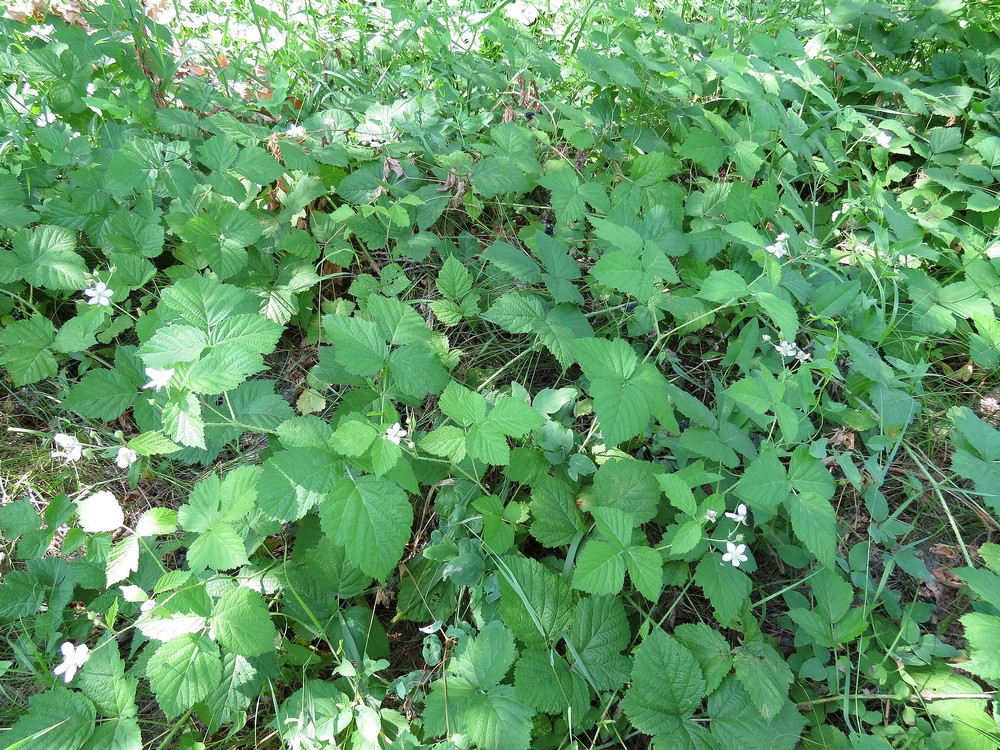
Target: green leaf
<point>397,322</point>
<point>782,314</point>
<point>598,633</point>
<point>182,420</point>
<point>556,520</point>
<point>58,719</point>
<point>535,603</point>
<point>205,302</point>
<point>764,675</point>
<point>183,671</point>
<point>982,634</point>
<point>498,175</point>
<point>738,725</point>
<point>517,312</point>
<point>26,355</point>
<point>494,719</point>
<point>454,280</point>
<point>621,409</point>
<point>123,560</point>
<point>763,484</point>
<point>447,441</point>
<point>253,332</point>
<point>463,405</point>
<point>218,548</point>
<point>645,568</point>
<point>544,681</point>
<point>171,345</point>
<point>726,587</point>
<point>486,443</point>
<point>630,486</point>
<point>242,623</point>
<point>514,417</point>
<point>704,149</point>
<point>371,517</point>
<point>815,523</point>
<point>100,394</point>
<point>358,347</point>
<point>710,649</point>
<point>45,257</point>
<point>103,680</point>
<point>600,568</point>
<point>656,703</point>
<point>486,658</point>
<point>515,262</point>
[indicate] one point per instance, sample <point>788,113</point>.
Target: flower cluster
<point>789,349</point>
<point>778,248</point>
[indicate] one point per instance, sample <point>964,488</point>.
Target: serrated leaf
<point>153,444</point>
<point>514,417</point>
<point>726,587</point>
<point>535,603</point>
<point>763,484</point>
<point>982,634</point>
<point>815,523</point>
<point>738,725</point>
<point>463,405</point>
<point>182,420</point>
<point>628,485</point>
<point>357,344</point>
<point>242,623</point>
<point>100,394</point>
<point>397,322</point>
<point>515,262</point>
<point>447,441</point>
<point>498,175</point>
<point>764,675</point>
<point>656,705</point>
<point>556,520</point>
<point>517,313</point>
<point>709,648</point>
<point>103,680</point>
<point>205,302</point>
<point>218,548</point>
<point>371,517</point>
<point>598,634</point>
<point>599,569</point>
<point>544,681</point>
<point>123,560</point>
<point>495,719</point>
<point>58,719</point>
<point>253,332</point>
<point>295,481</point>
<point>171,345</point>
<point>47,259</point>
<point>645,568</point>
<point>26,355</point>
<point>183,671</point>
<point>486,658</point>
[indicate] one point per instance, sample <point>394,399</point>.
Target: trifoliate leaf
<point>738,725</point>
<point>253,332</point>
<point>514,417</point>
<point>218,548</point>
<point>667,685</point>
<point>204,302</point>
<point>397,322</point>
<point>183,671</point>
<point>371,517</point>
<point>171,345</point>
<point>517,312</point>
<point>294,481</point>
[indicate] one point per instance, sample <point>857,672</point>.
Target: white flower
<point>711,515</point>
<point>99,294</point>
<point>46,118</point>
<point>641,12</point>
<point>72,449</point>
<point>786,349</point>
<point>126,457</point>
<point>778,249</point>
<point>802,356</point>
<point>74,657</point>
<point>740,516</point>
<point>295,131</point>
<point>394,434</point>
<point>883,139</point>
<point>99,512</point>
<point>158,378</point>
<point>735,554</point>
